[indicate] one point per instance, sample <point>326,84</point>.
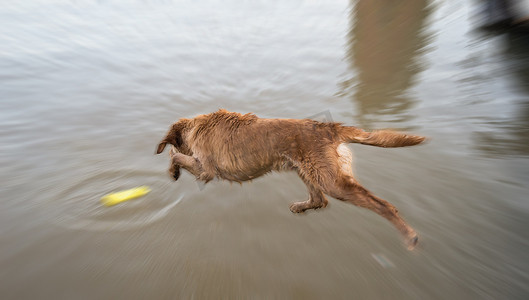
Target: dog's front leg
<point>189,163</point>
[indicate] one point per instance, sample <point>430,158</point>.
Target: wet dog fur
<point>236,147</point>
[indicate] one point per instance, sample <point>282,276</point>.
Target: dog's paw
<point>412,241</point>
<point>298,207</point>
<point>175,173</point>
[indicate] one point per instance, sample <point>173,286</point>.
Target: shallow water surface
<point>89,88</point>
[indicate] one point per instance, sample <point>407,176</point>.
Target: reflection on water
<point>510,135</point>
<point>87,89</point>
<point>384,46</point>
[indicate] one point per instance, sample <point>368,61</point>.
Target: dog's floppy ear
<point>161,146</point>
<point>173,137</point>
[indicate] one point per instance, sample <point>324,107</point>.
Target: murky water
<point>88,88</point>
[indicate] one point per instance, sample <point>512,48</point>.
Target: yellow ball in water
<point>118,197</point>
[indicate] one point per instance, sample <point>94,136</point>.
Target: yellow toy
<point>116,198</point>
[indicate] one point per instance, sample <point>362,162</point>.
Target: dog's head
<point>175,137</point>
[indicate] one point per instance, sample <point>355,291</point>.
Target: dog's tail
<point>379,138</point>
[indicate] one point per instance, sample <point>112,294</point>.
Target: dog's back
<point>250,146</point>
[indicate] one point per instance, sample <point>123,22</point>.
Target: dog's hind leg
<point>333,178</point>
<point>316,200</point>
<point>345,188</point>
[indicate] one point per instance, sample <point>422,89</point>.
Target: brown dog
<point>237,147</point>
